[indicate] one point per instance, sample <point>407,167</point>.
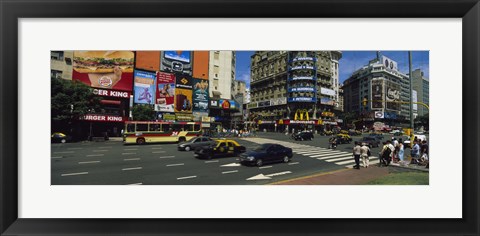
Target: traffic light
<point>364,102</point>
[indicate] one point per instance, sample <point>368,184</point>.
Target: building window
<point>56,74</point>
<point>56,55</point>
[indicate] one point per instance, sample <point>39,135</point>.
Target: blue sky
<point>351,61</point>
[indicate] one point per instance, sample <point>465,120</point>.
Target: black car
<point>60,138</point>
<point>266,153</point>
<point>304,135</point>
<point>371,141</point>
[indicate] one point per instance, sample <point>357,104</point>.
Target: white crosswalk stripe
<point>337,157</point>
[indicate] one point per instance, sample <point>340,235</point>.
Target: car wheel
<point>188,148</point>
<point>63,140</point>
<point>181,139</point>
<point>259,162</point>
<point>286,159</point>
<point>140,141</point>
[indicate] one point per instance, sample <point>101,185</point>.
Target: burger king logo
<point>105,81</point>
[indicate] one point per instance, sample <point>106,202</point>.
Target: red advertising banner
<point>104,69</point>
<point>103,118</point>
<point>165,92</point>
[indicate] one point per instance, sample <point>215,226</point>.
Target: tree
<point>422,121</point>
<point>69,101</point>
<point>143,112</point>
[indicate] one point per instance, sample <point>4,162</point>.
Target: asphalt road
<point>113,163</point>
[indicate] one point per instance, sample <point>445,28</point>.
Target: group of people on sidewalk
<point>392,150</point>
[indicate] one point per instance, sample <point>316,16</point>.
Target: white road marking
<point>374,162</point>
<point>74,148</point>
<point>336,156</point>
<point>130,149</point>
<point>324,155</point>
<point>228,172</point>
<point>371,161</point>
<point>157,148</point>
<point>58,157</point>
<point>166,157</point>
<point>179,164</point>
<point>64,152</point>
<point>135,184</point>
<point>104,147</point>
<point>279,173</point>
<point>79,173</point>
<point>101,150</point>
<point>131,159</point>
<point>133,168</point>
<point>187,177</point>
<point>159,152</point>
<point>293,163</point>
<point>211,161</point>
<point>231,165</point>
<point>128,153</point>
<point>265,167</point>
<point>259,177</point>
<point>95,155</point>
<point>340,159</point>
<point>88,162</point>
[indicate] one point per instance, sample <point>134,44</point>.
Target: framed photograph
<point>247,118</point>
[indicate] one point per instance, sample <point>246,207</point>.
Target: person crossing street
<point>357,150</point>
<point>365,153</point>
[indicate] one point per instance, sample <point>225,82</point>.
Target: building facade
<point>378,92</point>
<point>222,73</point>
<point>61,64</point>
<point>293,89</point>
<point>421,84</point>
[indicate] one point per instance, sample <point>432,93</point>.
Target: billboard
<point>301,89</point>
<point>392,96</point>
<point>147,60</point>
<point>327,101</point>
<point>183,93</point>
<point>200,95</point>
<point>144,87</point>
<point>176,61</point>
<point>377,94</point>
<point>301,99</point>
<point>329,92</point>
<point>165,92</point>
<point>200,64</point>
<point>112,70</point>
<point>389,63</point>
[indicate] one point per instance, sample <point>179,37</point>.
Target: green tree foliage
<point>66,93</point>
<point>423,121</point>
<point>143,112</point>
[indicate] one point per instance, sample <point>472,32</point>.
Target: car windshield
<point>262,147</point>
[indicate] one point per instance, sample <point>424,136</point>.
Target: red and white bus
<point>141,132</point>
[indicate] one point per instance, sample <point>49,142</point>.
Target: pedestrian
<point>415,152</point>
<point>357,150</point>
<point>365,152</point>
<point>395,152</point>
<point>386,153</point>
<point>401,152</point>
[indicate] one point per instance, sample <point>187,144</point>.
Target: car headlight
<point>250,158</point>
<point>181,145</point>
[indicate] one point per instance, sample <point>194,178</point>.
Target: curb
<point>411,168</point>
<point>308,176</point>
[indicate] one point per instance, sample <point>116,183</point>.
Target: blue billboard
<point>302,99</point>
<point>144,87</point>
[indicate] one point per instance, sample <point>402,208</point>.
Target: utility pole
<point>411,87</point>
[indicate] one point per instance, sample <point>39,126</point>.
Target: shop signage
<point>330,122</point>
<point>252,105</point>
<point>303,67</point>
<point>303,78</point>
<point>379,115</point>
<point>302,89</point>
<point>103,118</point>
<point>327,101</point>
<point>266,122</point>
<point>302,122</point>
<point>184,117</point>
<point>111,93</point>
<point>328,114</point>
<point>301,99</point>
<point>213,103</point>
<point>301,115</point>
<point>264,104</point>
<point>303,59</point>
<point>206,119</point>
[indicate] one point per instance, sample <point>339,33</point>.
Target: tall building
<point>293,89</point>
<point>341,98</point>
<point>222,73</point>
<point>421,85</point>
<point>61,64</point>
<point>384,88</point>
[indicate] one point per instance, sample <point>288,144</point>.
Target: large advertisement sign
<point>183,94</point>
<point>377,94</point>
<point>326,91</point>
<point>301,89</point>
<point>389,63</point>
<point>165,92</point>
<point>111,70</point>
<point>301,99</point>
<point>392,96</point>
<point>177,61</point>
<point>327,101</point>
<point>144,87</point>
<point>200,95</point>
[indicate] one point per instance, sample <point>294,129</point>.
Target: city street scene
<point>239,117</point>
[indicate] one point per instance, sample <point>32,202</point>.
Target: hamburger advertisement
<point>104,69</point>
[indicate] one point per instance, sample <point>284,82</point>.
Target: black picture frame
<point>11,11</point>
